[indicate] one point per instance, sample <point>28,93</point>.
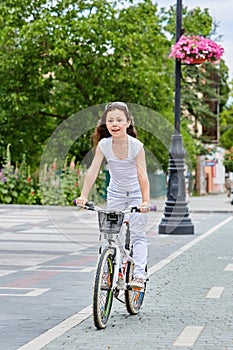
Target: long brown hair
<point>101,130</point>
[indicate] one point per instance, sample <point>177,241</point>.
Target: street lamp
<point>176,213</point>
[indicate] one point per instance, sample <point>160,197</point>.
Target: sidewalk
<point>218,203</point>
<point>46,282</point>
<point>188,304</point>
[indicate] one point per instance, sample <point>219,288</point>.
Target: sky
<point>222,12</point>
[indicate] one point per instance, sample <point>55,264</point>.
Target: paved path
<point>188,305</point>
<point>47,263</point>
<point>205,204</point>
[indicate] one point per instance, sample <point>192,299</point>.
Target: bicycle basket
<point>110,222</point>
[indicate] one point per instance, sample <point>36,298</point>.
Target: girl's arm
<point>90,176</point>
<point>143,177</point>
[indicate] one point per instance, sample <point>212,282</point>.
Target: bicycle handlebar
<point>91,206</point>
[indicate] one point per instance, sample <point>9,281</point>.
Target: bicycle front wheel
<point>133,297</point>
<point>103,293</point>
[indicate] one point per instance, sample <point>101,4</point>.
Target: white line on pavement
<point>188,336</point>
<point>88,269</point>
<point>215,292</point>
<point>22,292</point>
<point>229,267</point>
<point>6,272</point>
<point>55,332</point>
<point>59,268</point>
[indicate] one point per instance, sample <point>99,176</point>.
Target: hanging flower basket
<point>197,60</point>
<point>196,50</point>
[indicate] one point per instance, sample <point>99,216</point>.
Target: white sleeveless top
<point>123,172</point>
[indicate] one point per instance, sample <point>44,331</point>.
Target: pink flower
<point>193,47</point>
<point>72,164</point>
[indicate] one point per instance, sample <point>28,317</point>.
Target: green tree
<point>202,86</point>
<point>226,127</point>
<point>57,58</point>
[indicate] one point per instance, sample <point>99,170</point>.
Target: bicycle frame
<point>122,256</point>
<point>111,234</point>
<point>114,272</point>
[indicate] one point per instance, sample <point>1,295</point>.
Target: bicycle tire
<point>133,298</point>
<point>103,296</point>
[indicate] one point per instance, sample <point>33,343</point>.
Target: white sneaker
<point>137,283</point>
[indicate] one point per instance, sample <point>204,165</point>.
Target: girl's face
<point>117,123</point>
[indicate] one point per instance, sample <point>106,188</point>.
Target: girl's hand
<point>145,207</point>
<point>82,200</point>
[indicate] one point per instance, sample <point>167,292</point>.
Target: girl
<point>115,140</point>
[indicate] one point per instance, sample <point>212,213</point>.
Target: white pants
<point>137,222</point>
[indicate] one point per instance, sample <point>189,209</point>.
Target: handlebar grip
<point>87,205</point>
<point>75,203</point>
<point>153,208</point>
<point>138,209</point>
<point>90,205</point>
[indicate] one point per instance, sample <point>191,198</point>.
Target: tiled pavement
<point>48,259</point>
<point>188,305</point>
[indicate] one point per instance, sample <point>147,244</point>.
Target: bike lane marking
<point>215,292</point>
<point>188,336</point>
<point>22,292</point>
<point>55,332</point>
<point>229,267</point>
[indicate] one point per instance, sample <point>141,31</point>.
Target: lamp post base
<point>176,219</point>
<point>176,213</point>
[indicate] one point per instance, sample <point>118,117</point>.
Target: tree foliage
<point>60,57</point>
<point>226,128</point>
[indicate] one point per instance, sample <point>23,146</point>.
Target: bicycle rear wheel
<point>133,297</point>
<point>103,293</point>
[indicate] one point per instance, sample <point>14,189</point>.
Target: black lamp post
<point>176,214</point>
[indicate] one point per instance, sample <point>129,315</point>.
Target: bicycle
<point>115,266</point>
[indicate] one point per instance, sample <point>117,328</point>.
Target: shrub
<point>16,183</point>
<point>54,187</point>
